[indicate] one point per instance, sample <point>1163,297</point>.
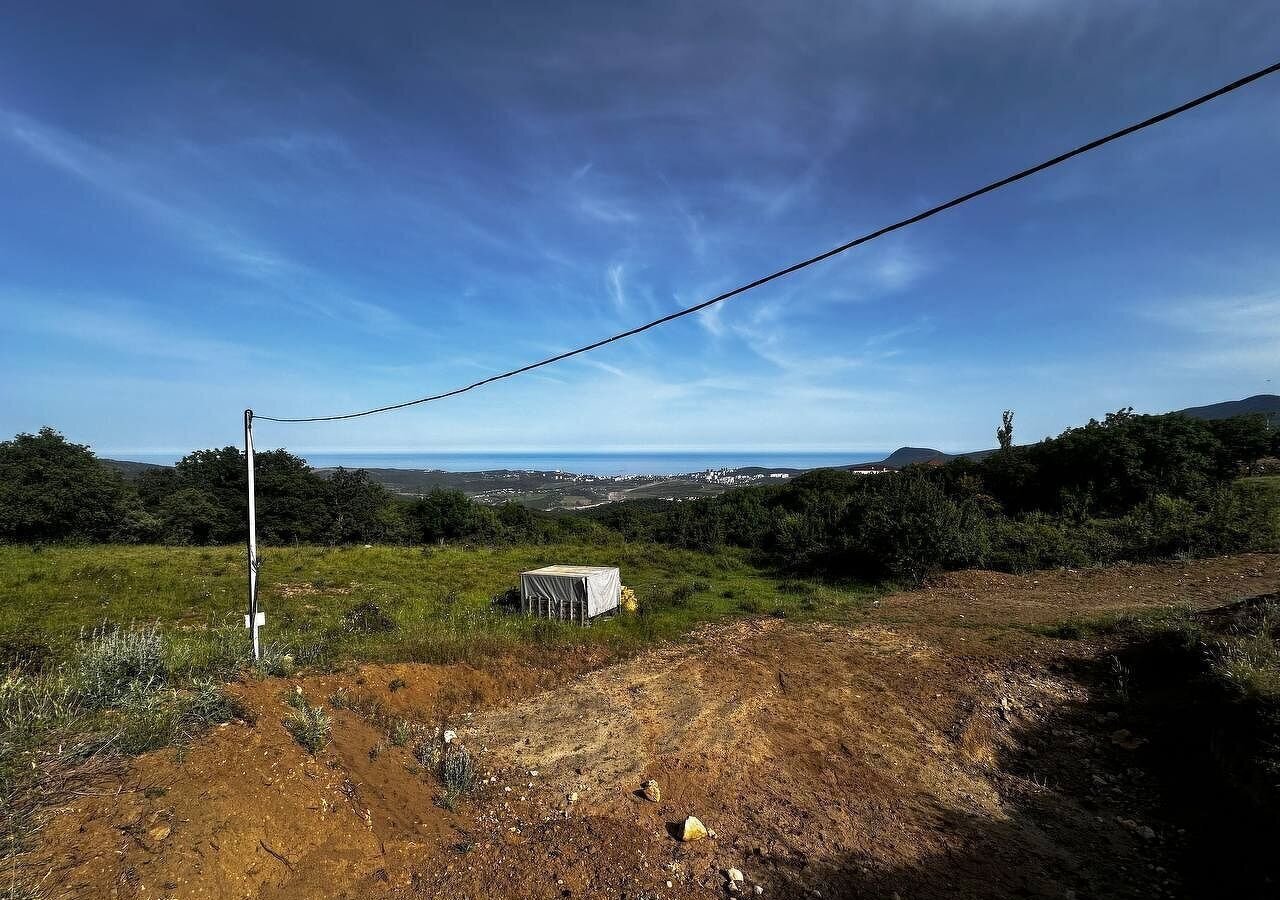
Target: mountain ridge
<point>1266,404</point>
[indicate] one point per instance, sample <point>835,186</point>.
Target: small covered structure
<point>570,593</point>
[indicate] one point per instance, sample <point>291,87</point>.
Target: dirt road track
<point>937,749</point>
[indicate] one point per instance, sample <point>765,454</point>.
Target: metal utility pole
<point>254,619</point>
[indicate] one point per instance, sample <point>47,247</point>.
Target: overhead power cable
<point>834,251</point>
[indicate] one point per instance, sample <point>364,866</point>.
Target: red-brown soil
<point>940,748</point>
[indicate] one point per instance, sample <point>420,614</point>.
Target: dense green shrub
<point>910,528</point>
<point>1224,519</point>
<point>51,489</point>
<point>192,516</point>
<point>359,510</point>
<point>1038,541</point>
<point>1106,468</point>
<point>681,595</point>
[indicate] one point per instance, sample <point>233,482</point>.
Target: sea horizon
<point>622,462</point>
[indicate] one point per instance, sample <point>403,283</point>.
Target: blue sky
<point>313,208</point>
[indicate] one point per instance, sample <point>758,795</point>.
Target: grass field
<point>326,604</point>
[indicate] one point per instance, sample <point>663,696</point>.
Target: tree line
<point>54,490</point>
<point>1127,487</point>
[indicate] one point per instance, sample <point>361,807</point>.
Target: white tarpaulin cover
<point>570,592</point>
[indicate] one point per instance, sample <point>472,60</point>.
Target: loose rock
<point>651,791</point>
<point>693,830</point>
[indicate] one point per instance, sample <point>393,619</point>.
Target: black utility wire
<point>918,217</point>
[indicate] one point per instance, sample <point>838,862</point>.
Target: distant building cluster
<point>734,477</point>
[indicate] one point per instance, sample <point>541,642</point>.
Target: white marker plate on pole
<point>262,620</point>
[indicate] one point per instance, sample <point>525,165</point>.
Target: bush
<point>458,774</point>
<point>681,595</point>
<point>1249,660</point>
<point>309,725</point>
<point>112,663</point>
<point>34,704</point>
<point>1226,519</point>
<point>1039,542</point>
<point>1246,515</point>
<point>910,528</point>
<point>400,733</point>
<point>368,618</point>
<point>429,748</point>
<point>208,703</point>
<point>148,719</point>
<point>508,600</point>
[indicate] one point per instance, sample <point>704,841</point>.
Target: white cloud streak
<point>243,256</point>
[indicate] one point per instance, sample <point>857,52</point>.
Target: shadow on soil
<point>1156,786</point>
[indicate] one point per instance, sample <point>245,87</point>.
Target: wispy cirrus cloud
<point>1254,315</point>
<point>608,212</point>
<point>132,180</point>
<point>124,180</point>
<point>617,288</point>
<point>1225,332</point>
<point>118,326</point>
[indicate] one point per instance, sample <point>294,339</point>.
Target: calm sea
<point>667,463</point>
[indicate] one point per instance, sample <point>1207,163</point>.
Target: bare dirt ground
<point>940,748</point>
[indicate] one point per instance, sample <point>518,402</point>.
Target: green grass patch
<point>385,603</point>
<point>1112,623</point>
